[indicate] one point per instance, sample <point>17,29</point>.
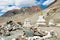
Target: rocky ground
<point>15,34</point>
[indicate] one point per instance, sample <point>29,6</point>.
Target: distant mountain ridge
<point>29,10</point>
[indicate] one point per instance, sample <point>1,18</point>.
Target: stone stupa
<point>27,23</point>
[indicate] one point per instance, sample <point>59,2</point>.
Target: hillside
<point>29,10</point>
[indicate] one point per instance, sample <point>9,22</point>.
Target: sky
<point>6,5</point>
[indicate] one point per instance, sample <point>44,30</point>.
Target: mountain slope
<point>29,10</point>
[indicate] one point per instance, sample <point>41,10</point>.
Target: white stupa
<point>27,23</point>
<point>58,24</point>
<point>41,20</point>
<point>51,22</point>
